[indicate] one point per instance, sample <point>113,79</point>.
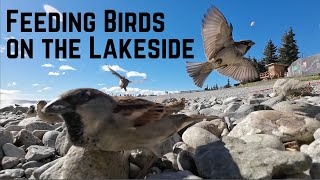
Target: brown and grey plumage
<point>50,118</point>
<point>97,120</point>
<point>124,82</point>
<point>223,54</point>
<point>31,112</point>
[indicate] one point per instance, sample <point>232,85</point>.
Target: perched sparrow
<point>31,112</point>
<point>50,118</point>
<point>223,54</point>
<point>124,82</point>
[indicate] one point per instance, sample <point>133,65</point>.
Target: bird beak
<point>57,106</point>
<point>252,43</point>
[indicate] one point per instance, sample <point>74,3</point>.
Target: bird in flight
<point>222,52</point>
<point>124,82</point>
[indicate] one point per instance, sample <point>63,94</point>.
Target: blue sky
<point>30,79</point>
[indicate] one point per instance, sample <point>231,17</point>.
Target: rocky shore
<point>273,133</point>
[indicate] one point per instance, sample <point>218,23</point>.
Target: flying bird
<point>50,118</point>
<point>222,52</point>
<point>124,82</point>
<point>102,122</point>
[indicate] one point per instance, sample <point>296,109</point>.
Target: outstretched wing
<point>243,71</point>
<point>216,32</point>
<point>116,74</point>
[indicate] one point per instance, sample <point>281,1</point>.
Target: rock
<point>14,128</point>
<point>215,126</point>
<point>25,138</point>
<point>4,122</point>
<point>210,112</point>
<point>290,87</point>
<point>5,176</point>
<point>219,108</point>
<point>257,100</point>
<point>193,107</point>
<point>185,162</point>
<point>9,162</point>
<point>313,150</point>
<point>300,108</point>
<point>39,133</point>
<point>167,145</point>
<point>16,173</point>
<point>233,158</point>
<point>230,100</point>
<point>1,155</point>
<point>49,138</point>
<point>43,168</point>
<point>213,99</point>
<point>232,107</point>
<point>39,126</point>
<point>181,146</point>
<point>13,151</point>
<point>20,109</point>
<point>82,163</point>
<point>264,140</point>
<point>5,137</point>
<point>272,95</point>
<point>62,143</point>
<point>316,134</point>
<point>30,120</point>
<point>174,175</point>
<point>286,126</point>
<point>172,158</point>
<point>36,153</point>
<point>32,164</point>
<point>315,168</point>
<point>28,172</point>
<point>195,137</point>
<point>7,109</point>
<point>317,117</point>
<point>273,101</point>
<point>134,171</point>
<point>245,110</point>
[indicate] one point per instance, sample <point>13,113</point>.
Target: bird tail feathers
<point>199,72</point>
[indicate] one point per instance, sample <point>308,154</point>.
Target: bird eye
<point>84,96</point>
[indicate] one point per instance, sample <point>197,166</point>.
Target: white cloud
<point>45,89</point>
<point>100,84</point>
<point>113,67</point>
<point>53,73</point>
<point>66,67</point>
<point>135,73</point>
<point>35,85</point>
<point>117,90</point>
<point>61,59</point>
<point>47,65</point>
<point>63,73</point>
<point>3,36</point>
<point>2,49</point>
<point>4,91</point>
<point>50,9</point>
<point>12,84</point>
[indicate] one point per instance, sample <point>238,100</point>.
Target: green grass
<point>269,82</point>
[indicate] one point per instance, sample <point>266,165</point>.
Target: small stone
<point>195,137</point>
<point>39,126</point>
<point>316,134</point>
<point>13,151</point>
<point>134,170</point>
<point>36,153</point>
<point>5,137</point>
<point>230,100</point>
<point>265,140</point>
<point>49,138</point>
<point>14,128</point>
<point>28,172</point>
<point>185,162</point>
<point>174,175</point>
<point>25,138</point>
<point>9,162</point>
<point>39,133</point>
<point>62,144</point>
<point>16,173</point>
<point>32,164</point>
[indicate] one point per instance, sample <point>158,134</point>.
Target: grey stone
<point>315,168</point>
<point>43,168</point>
<point>49,138</point>
<point>265,140</point>
<point>210,112</point>
<point>181,146</point>
<point>36,153</point>
<point>257,100</point>
<point>215,126</point>
<point>185,162</point>
<point>170,156</point>
<point>290,87</point>
<point>232,108</point>
<point>81,163</point>
<point>16,173</point>
<point>195,137</point>
<point>39,126</point>
<point>14,128</point>
<point>193,107</point>
<point>134,171</point>
<point>273,101</point>
<point>174,175</point>
<point>7,109</point>
<point>140,157</point>
<point>39,133</point>
<point>9,162</point>
<point>230,100</point>
<point>13,151</point>
<point>300,108</point>
<point>63,144</point>
<point>32,164</point>
<point>313,149</point>
<point>286,126</point>
<point>245,110</point>
<point>219,107</point>
<point>28,172</point>
<point>234,158</point>
<point>317,116</point>
<point>27,121</point>
<point>25,138</point>
<point>316,134</point>
<point>5,137</point>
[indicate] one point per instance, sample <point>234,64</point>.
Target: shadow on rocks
<point>214,161</point>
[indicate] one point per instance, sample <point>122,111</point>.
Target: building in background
<point>275,70</point>
<point>305,66</point>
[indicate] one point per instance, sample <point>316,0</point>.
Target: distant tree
<point>270,53</point>
<point>289,51</point>
<point>228,84</point>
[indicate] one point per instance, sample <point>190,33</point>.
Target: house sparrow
<point>50,118</point>
<point>99,121</point>
<point>124,82</point>
<point>223,54</point>
<point>31,112</point>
